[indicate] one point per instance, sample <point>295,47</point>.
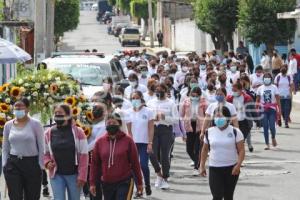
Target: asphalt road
<point>267,175</point>
<point>90,34</point>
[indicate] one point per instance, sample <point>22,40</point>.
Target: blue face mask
<point>195,99</point>
<point>203,67</point>
<point>193,85</point>
<point>267,81</point>
<point>235,94</point>
<point>220,98</point>
<point>220,121</point>
<point>233,69</point>
<point>136,103</point>
<point>19,114</point>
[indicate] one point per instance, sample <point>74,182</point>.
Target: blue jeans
<point>286,106</point>
<point>269,121</point>
<point>61,183</point>
<point>144,161</point>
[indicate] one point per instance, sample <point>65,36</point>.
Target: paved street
<point>90,34</point>
<point>267,175</point>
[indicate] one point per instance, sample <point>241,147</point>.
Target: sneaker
<point>196,172</point>
<point>158,182</point>
<point>267,147</point>
<point>148,190</point>
<point>46,192</point>
<point>192,164</point>
<point>251,149</point>
<point>274,142</point>
<point>138,196</point>
<point>164,185</point>
<point>287,126</point>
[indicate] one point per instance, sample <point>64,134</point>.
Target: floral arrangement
<point>44,89</point>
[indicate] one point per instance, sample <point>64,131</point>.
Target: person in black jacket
<point>249,62</point>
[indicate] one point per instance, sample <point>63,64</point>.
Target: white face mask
<point>132,83</point>
<point>184,69</point>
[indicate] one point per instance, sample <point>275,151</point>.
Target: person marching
<point>22,154</point>
<point>114,160</point>
<point>66,155</point>
<point>141,129</point>
<point>225,145</point>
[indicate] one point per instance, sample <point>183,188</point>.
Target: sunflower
<point>75,111</point>
<point>4,107</point>
<point>15,92</point>
<point>2,122</point>
<point>1,89</point>
<point>87,131</point>
<point>78,123</point>
<point>53,88</point>
<point>90,116</point>
<point>4,87</point>
<point>71,101</point>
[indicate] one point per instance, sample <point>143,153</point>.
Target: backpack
<point>206,136</point>
<point>278,79</point>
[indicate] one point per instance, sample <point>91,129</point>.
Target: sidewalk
<point>296,100</point>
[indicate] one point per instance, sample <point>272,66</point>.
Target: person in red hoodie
<point>114,161</point>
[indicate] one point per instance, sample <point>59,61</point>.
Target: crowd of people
<point>212,102</point>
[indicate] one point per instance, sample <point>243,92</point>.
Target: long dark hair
<point>67,110</point>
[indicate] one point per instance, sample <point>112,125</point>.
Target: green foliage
<point>66,16</point>
<point>139,8</point>
<point>259,24</point>
<point>217,17</point>
<point>124,5</point>
<point>112,2</point>
<point>1,10</point>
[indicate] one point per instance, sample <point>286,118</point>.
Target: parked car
<point>107,17</point>
<point>88,69</point>
<point>130,36</point>
<point>117,30</point>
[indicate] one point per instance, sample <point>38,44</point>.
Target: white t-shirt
<point>143,81</point>
<point>167,107</point>
<point>98,130</point>
<point>129,90</point>
<point>238,102</point>
<point>284,85</point>
<point>210,97</point>
<point>255,80</point>
<point>139,124</point>
<point>292,69</point>
<point>212,107</point>
<point>223,149</point>
<point>147,97</point>
<point>267,94</point>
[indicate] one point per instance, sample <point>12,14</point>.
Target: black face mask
<point>160,94</point>
<point>222,81</point>
<point>59,120</point>
<point>196,74</point>
<point>112,129</point>
<point>173,71</point>
<point>97,113</point>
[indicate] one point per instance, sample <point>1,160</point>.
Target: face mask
<point>160,94</point>
<point>106,86</point>
<point>173,71</point>
<point>233,69</point>
<point>132,83</point>
<point>144,73</point>
<point>220,121</point>
<point>118,96</point>
<point>235,94</point>
<point>97,113</point>
<point>203,67</point>
<point>267,81</point>
<point>127,57</point>
<point>195,99</point>
<point>258,74</point>
<point>184,69</point>
<point>59,120</point>
<point>220,98</point>
<point>136,103</point>
<point>19,114</point>
<point>153,65</point>
<point>112,129</point>
<point>193,85</point>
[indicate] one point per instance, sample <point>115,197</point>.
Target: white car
<point>89,69</point>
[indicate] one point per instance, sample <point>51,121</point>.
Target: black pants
<point>163,141</point>
<point>44,178</point>
<point>86,187</point>
<point>193,145</point>
<point>222,183</point>
<point>118,191</point>
<point>23,177</point>
<point>244,128</point>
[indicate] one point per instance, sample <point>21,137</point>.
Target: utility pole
<point>50,8</point>
<point>39,31</point>
<point>150,23</point>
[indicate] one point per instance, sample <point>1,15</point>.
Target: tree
<point>123,5</point>
<point>139,9</point>
<point>259,24</point>
<point>1,9</point>
<point>66,17</point>
<point>219,19</point>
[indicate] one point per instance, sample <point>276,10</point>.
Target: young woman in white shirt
<point>257,78</point>
<point>134,86</point>
<point>166,115</point>
<point>141,128</point>
<point>226,146</point>
<point>268,99</point>
<point>285,85</point>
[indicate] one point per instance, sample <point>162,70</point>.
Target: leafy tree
<point>66,17</point>
<point>123,5</point>
<point>259,24</point>
<point>112,2</point>
<point>1,10</point>
<point>219,19</point>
